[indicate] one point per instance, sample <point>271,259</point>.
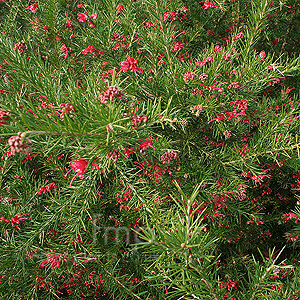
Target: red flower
<point>137,120</point>
<point>16,220</point>
<point>120,7</point>
<point>4,116</point>
<point>91,23</point>
<point>177,46</point>
<point>33,8</point>
<point>146,144</point>
<point>93,16</point>
<point>89,49</point>
<point>20,46</point>
<point>113,155</point>
<point>168,156</point>
<point>214,87</point>
<point>53,258</point>
<point>81,17</point>
<point>262,55</point>
<point>218,49</point>
<point>130,64</point>
<point>79,167</point>
<point>128,151</point>
<point>208,4</point>
<point>66,49</point>
<point>238,36</point>
<point>202,63</point>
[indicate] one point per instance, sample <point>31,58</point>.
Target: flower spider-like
<point>79,167</point>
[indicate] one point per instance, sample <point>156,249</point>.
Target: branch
<point>120,283</point>
<point>63,133</point>
<point>133,189</point>
<point>212,290</point>
<point>266,152</point>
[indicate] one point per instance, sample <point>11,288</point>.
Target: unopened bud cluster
<point>113,92</point>
<point>66,108</point>
<point>203,77</point>
<point>197,109</point>
<point>4,116</point>
<point>227,133</point>
<point>167,157</point>
<point>189,76</point>
<point>20,46</point>
<point>113,155</point>
<point>17,145</point>
<point>196,91</point>
<point>241,195</point>
<point>137,120</point>
<point>233,85</point>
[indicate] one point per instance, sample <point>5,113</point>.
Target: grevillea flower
<point>89,49</point>
<point>20,46</point>
<point>137,120</point>
<point>33,8</point>
<point>262,55</point>
<point>43,190</point>
<point>233,85</point>
<point>202,63</point>
<point>146,144</point>
<point>65,49</point>
<point>189,76</point>
<point>81,17</point>
<point>128,151</point>
<point>79,167</point>
<point>218,49</point>
<point>130,64</point>
<point>208,4</point>
<point>4,116</point>
<point>93,16</point>
<point>16,220</point>
<point>113,155</point>
<point>120,7</point>
<point>18,144</point>
<point>112,93</point>
<point>238,36</point>
<point>214,87</point>
<point>177,46</point>
<point>149,24</point>
<point>54,259</point>
<point>168,156</point>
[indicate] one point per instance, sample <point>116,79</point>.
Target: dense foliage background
<point>149,149</point>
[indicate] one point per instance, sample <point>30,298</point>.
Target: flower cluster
<point>54,259</point>
<point>113,155</point>
<point>66,50</point>
<point>79,167</point>
<point>4,116</point>
<point>208,4</point>
<point>179,14</point>
<point>66,108</point>
<point>130,64</point>
<point>137,120</point>
<point>82,17</point>
<point>168,156</point>
<point>43,190</point>
<point>16,220</point>
<point>92,49</point>
<point>112,93</point>
<point>189,76</point>
<point>18,145</point>
<point>21,46</point>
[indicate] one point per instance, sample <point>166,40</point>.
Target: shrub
<point>150,149</point>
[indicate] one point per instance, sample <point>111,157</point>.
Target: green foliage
<point>150,149</point>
